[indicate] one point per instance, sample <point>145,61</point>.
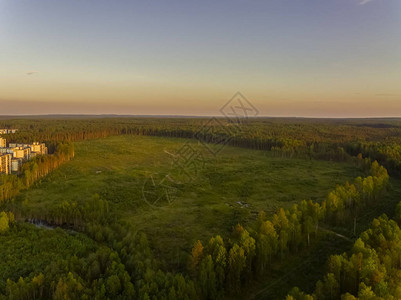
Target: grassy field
<point>230,188</point>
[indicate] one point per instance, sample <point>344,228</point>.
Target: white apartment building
<point>5,163</point>
<point>8,131</point>
<point>12,157</point>
<point>22,152</point>
<point>16,164</point>
<point>39,148</point>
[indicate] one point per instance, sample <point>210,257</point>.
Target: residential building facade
<point>5,163</point>
<point>8,131</point>
<point>13,156</point>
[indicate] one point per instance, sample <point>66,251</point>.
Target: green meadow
<point>229,188</point>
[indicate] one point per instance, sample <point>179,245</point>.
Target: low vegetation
<point>302,184</point>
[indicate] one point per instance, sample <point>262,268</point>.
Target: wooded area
<point>106,258</point>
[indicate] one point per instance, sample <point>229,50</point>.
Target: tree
<point>113,286</point>
<point>4,222</point>
<point>266,245</point>
<point>366,293</point>
<point>236,265</point>
<point>219,256</point>
<point>247,243</point>
<point>328,288</point>
<point>38,282</point>
<point>207,278</point>
<point>281,225</point>
<point>334,266</point>
<point>197,252</point>
<point>68,288</point>
<point>348,296</point>
<point>297,294</point>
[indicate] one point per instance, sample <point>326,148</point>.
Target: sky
<point>311,58</point>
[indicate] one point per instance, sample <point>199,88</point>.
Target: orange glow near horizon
<point>319,59</point>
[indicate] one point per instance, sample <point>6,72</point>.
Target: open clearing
<point>230,188</point>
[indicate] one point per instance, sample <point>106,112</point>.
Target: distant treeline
<point>319,139</point>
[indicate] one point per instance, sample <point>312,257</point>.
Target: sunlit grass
<point>117,167</point>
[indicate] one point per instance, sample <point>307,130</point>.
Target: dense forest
<point>97,256</point>
<point>336,139</point>
<point>371,270</point>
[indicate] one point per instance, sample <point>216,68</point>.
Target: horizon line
<point>192,116</point>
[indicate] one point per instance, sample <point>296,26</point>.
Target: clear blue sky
<point>289,57</point>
